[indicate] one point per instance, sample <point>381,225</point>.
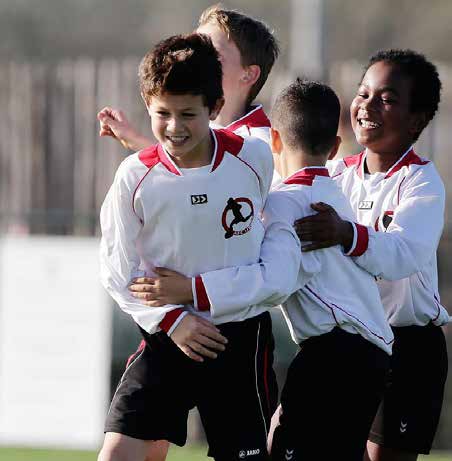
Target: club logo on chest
<point>237,216</point>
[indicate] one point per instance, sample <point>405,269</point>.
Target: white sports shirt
<point>189,220</point>
<point>331,290</point>
<point>254,123</point>
<point>401,216</point>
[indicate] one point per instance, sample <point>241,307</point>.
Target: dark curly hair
<point>182,64</point>
<point>426,90</point>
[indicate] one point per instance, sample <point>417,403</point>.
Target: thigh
<point>409,413</point>
<point>332,391</point>
<point>148,403</point>
<point>241,394</point>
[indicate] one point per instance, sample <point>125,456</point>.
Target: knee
<point>113,453</point>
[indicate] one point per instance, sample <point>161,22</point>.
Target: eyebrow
<point>184,109</point>
<point>383,89</point>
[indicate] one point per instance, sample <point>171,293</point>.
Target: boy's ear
<point>251,74</point>
<point>146,102</point>
<point>335,148</point>
<point>216,109</point>
<point>418,123</point>
<point>276,143</point>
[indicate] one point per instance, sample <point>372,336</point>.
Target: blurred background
<point>63,344</point>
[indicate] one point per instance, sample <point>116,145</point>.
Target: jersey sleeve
<point>119,259</point>
<point>258,156</point>
<point>412,237</point>
<point>269,282</point>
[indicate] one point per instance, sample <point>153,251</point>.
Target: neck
<point>231,111</point>
<point>380,162</point>
<point>290,161</point>
<point>200,156</point>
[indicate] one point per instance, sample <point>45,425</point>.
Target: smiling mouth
<point>177,140</point>
<point>368,124</point>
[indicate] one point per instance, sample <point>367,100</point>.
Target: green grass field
<point>190,453</point>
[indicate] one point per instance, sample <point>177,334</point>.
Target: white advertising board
<point>55,327</point>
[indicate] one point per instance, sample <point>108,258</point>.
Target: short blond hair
<point>254,40</point>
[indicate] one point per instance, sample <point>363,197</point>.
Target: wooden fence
<point>55,170</point>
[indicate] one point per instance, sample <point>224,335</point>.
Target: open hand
<point>167,287</point>
<point>198,338</point>
<point>324,229</point>
<point>114,123</point>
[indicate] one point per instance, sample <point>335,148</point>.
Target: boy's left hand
<point>324,229</point>
<point>167,287</point>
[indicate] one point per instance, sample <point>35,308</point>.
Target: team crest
<point>237,216</point>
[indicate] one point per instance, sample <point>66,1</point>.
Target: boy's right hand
<point>114,123</point>
<point>198,338</point>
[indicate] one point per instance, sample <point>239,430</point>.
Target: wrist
<point>138,142</point>
<point>347,235</point>
<point>188,291</point>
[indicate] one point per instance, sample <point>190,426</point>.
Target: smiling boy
<point>247,50</point>
<point>173,205</point>
<point>398,199</point>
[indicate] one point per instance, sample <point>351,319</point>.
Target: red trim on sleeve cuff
<point>362,241</point>
<point>202,300</point>
<point>169,319</point>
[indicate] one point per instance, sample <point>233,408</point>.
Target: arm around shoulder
<point>411,238</point>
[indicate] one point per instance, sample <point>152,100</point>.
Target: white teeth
<point>176,138</point>
<point>368,124</point>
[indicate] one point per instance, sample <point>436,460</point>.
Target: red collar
<point>225,141</point>
<point>306,176</point>
<point>407,159</point>
<point>254,118</point>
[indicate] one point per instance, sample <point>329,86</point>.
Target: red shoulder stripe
<point>306,176</point>
<point>255,118</point>
<point>149,156</point>
<point>408,159</point>
<point>227,141</point>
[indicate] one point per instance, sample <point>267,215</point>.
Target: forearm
<point>138,142</point>
<point>267,282</point>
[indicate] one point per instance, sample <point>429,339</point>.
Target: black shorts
<point>409,413</point>
<point>330,398</point>
<point>236,393</point>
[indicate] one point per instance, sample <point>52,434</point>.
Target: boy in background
<point>247,51</point>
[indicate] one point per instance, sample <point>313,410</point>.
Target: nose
<point>174,124</point>
<point>368,103</point>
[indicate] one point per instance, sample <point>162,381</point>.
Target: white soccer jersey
<point>254,123</point>
<point>189,220</point>
<point>401,215</point>
<point>331,289</point>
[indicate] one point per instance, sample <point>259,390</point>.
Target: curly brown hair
<point>182,64</point>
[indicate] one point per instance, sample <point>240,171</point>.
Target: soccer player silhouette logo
<point>238,211</point>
